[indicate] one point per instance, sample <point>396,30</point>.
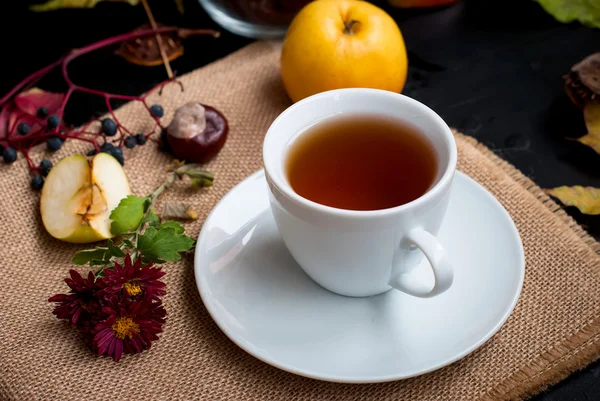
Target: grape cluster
<point>109,128</point>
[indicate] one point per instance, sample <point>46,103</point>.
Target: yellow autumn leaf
<point>591,115</point>
<point>57,4</point>
<point>586,199</point>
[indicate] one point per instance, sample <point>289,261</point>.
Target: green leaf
<point>165,244</point>
<point>200,177</point>
<point>88,255</point>
<point>175,226</point>
<point>145,260</point>
<point>151,218</point>
<point>195,171</point>
<point>99,273</point>
<point>115,251</point>
<point>585,11</point>
<point>98,262</point>
<point>147,204</point>
<point>201,182</point>
<point>128,243</point>
<point>127,216</point>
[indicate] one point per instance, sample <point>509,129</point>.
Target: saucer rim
<point>264,356</point>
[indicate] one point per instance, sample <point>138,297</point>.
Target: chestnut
<point>197,132</point>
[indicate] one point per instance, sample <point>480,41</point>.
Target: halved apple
<point>79,195</point>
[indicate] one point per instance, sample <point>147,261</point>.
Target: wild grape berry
<point>156,110</point>
<point>54,143</point>
<point>107,147</point>
<point>9,155</point>
<point>130,141</point>
<point>45,163</point>
<point>53,121</point>
<point>46,166</point>
<point>91,152</point>
<point>140,139</point>
<point>117,153</point>
<point>109,127</point>
<point>42,112</point>
<point>37,182</point>
<point>23,128</point>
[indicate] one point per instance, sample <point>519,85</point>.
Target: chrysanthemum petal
<point>111,346</point>
<point>118,350</point>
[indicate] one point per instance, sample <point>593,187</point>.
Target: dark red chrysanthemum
<point>79,304</point>
<point>130,327</point>
<point>133,281</point>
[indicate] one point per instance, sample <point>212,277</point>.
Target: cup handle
<point>440,264</point>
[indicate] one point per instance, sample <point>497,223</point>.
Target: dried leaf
<point>145,51</point>
<point>586,199</point>
<point>591,115</point>
<point>588,71</point>
<point>58,4</point>
<point>181,211</point>
<point>582,83</point>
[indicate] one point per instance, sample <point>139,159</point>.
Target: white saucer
<point>263,301</point>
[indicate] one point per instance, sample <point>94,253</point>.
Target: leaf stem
<point>153,198</point>
<point>158,191</point>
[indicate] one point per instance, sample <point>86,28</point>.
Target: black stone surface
<point>492,69</point>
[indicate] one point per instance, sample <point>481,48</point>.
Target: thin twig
<point>159,42</point>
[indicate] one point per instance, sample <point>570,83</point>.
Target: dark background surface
<point>491,69</point>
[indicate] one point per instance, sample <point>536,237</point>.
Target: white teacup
<point>362,253</point>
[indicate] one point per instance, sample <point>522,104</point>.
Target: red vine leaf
<point>23,109</point>
<point>5,114</point>
<point>30,101</point>
<point>145,52</point>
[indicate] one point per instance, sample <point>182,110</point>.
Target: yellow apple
<point>334,44</point>
<point>78,196</point>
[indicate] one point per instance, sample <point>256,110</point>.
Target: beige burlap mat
<point>554,329</point>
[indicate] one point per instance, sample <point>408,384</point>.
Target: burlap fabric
<point>554,329</point>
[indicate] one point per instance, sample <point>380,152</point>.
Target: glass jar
<point>258,19</point>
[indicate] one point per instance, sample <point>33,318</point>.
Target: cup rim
<point>271,161</point>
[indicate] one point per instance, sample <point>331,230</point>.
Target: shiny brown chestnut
<point>197,132</point>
